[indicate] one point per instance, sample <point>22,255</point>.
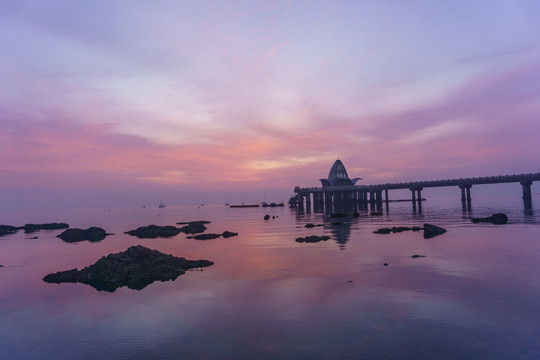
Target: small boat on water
<point>265,204</point>
<point>244,205</point>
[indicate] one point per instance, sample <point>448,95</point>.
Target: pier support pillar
<point>527,195</point>
<point>308,202</point>
<point>466,195</point>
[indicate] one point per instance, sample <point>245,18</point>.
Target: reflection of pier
<point>339,193</point>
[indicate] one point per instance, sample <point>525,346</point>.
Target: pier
<point>339,191</point>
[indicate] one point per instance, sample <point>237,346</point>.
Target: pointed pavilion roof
<point>338,176</point>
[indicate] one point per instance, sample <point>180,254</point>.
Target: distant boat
<point>161,205</point>
<point>244,205</point>
<point>265,204</point>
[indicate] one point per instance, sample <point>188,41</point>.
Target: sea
<point>475,294</point>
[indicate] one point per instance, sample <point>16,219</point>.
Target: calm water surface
<point>476,294</point>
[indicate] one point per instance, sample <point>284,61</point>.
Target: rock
<point>397,229</point>
<point>8,229</point>
<point>228,234</point>
<point>385,264</point>
<point>266,217</point>
<point>194,227</point>
<point>432,231</point>
<point>312,239</point>
<point>309,225</point>
<point>206,236</point>
<point>1,266</point>
<point>418,256</point>
<point>30,228</point>
<point>135,268</point>
<point>154,231</point>
<point>91,234</point>
<point>193,222</point>
<point>497,219</point>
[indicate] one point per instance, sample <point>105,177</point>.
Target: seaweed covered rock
<point>8,229</point>
<point>312,239</point>
<point>154,231</point>
<point>135,268</point>
<point>432,231</point>
<point>397,229</point>
<point>92,234</point>
<point>497,219</point>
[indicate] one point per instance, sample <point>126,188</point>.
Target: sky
<point>128,102</point>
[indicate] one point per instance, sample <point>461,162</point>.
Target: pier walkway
<point>324,196</point>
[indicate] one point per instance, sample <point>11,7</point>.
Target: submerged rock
<point>30,228</point>
<point>432,231</point>
<point>154,231</point>
<point>266,217</point>
<point>497,219</point>
<point>312,239</point>
<point>135,268</point>
<point>418,256</point>
<point>228,234</point>
<point>206,236</point>
<point>91,234</point>
<point>397,229</point>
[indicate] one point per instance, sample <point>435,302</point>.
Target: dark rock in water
<point>338,215</point>
<point>1,266</point>
<point>206,236</point>
<point>30,228</point>
<point>266,217</point>
<point>135,268</point>
<point>92,234</point>
<point>385,264</point>
<point>310,225</point>
<point>497,219</point>
<point>154,231</point>
<point>33,237</point>
<point>312,239</point>
<point>228,234</point>
<point>397,229</point>
<point>194,227</point>
<point>193,222</point>
<point>418,256</point>
<point>8,229</point>
<point>432,231</point>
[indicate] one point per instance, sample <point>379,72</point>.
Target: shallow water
<point>476,294</point>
